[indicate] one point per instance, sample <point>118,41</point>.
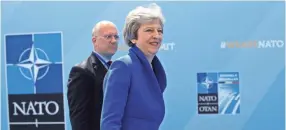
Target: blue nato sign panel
<point>218,93</point>
<point>34,81</point>
<point>224,61</point>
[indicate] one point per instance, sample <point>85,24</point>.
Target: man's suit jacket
<point>133,93</point>
<point>85,94</point>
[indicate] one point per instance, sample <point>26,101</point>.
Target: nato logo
<point>207,93</point>
<point>218,93</point>
<point>34,82</point>
<point>207,83</point>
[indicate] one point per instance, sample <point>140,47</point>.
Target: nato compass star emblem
<point>30,64</point>
<point>208,82</point>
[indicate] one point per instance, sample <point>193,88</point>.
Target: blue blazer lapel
<point>158,76</point>
<point>160,73</point>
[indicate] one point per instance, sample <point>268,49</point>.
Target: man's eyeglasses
<point>109,37</point>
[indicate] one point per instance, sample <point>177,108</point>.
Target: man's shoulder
<point>84,66</point>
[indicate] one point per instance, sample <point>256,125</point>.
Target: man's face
<point>105,41</point>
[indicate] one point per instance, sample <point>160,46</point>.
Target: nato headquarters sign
<point>35,81</point>
<point>218,93</point>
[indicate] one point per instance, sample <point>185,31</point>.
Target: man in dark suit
<point>85,92</point>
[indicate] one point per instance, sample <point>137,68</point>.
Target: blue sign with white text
<point>35,81</point>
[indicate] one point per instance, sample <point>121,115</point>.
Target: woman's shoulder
<point>122,63</point>
<point>126,59</point>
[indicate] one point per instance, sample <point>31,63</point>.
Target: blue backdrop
<point>236,48</point>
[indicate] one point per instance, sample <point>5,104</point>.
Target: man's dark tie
<point>109,63</point>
